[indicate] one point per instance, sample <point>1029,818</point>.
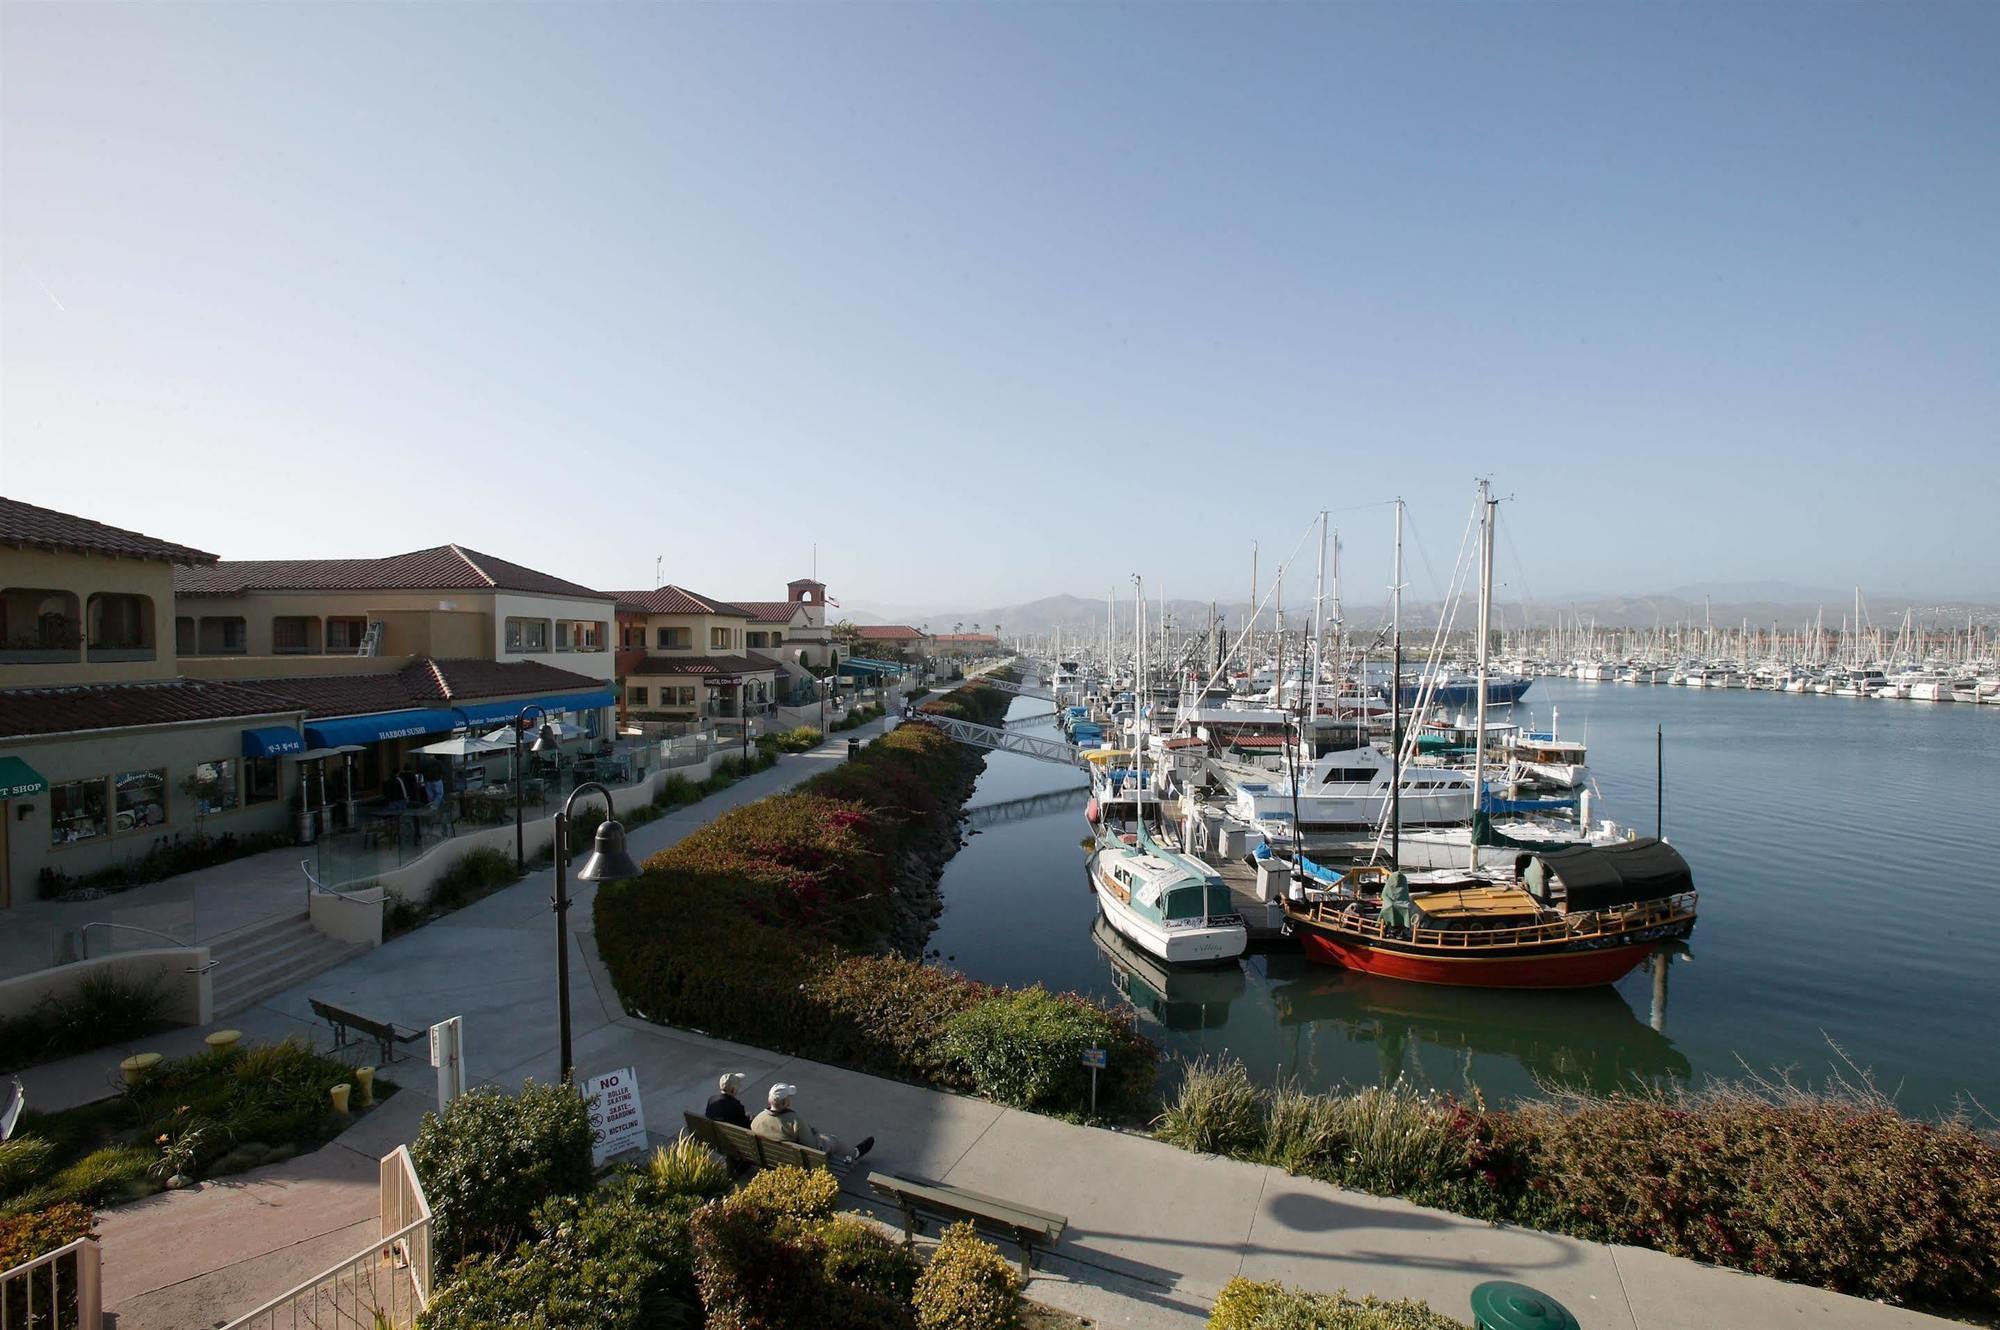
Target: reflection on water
<point>1177,997</point>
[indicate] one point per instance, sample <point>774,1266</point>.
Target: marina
<point>1836,847</point>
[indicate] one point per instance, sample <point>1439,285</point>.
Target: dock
<point>1263,919</point>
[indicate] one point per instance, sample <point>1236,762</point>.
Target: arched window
<point>121,626</point>
<point>38,625</point>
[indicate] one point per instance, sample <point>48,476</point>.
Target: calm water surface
<point>1850,892</point>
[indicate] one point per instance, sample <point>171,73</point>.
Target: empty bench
<point>738,1143</point>
<point>386,1034</point>
<point>1023,1225</point>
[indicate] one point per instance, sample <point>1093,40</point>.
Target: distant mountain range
<point>1724,604</point>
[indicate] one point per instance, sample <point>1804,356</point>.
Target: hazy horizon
<point>992,303</point>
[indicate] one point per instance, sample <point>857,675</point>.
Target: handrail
<point>88,1286</point>
<point>1581,927</point>
<point>83,934</point>
<point>371,896</point>
<point>396,1246</point>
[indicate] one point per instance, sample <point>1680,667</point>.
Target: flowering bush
<point>968,1285</point>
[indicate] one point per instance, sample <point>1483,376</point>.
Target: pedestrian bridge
<point>1043,748</point>
<point>1018,689</point>
<point>1027,807</point>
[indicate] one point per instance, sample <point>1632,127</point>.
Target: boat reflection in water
<point>1581,1039</point>
<point>1180,998</point>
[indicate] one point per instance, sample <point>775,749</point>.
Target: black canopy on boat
<point>1600,877</point>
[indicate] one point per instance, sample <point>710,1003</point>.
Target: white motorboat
<point>1168,904</point>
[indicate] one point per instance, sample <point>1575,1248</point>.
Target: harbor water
<point>1850,905</point>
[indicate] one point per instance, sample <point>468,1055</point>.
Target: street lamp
<point>606,862</point>
<point>545,741</point>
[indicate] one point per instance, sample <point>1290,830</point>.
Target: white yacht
<point>1168,904</point>
<point>1341,797</point>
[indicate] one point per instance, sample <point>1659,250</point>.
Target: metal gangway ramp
<point>1017,689</point>
<point>1040,747</point>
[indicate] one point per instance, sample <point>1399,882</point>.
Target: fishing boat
<point>1544,757</point>
<point>1574,918</point>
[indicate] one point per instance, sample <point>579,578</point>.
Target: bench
<point>386,1034</point>
<point>1027,1227</point>
<point>738,1143</point>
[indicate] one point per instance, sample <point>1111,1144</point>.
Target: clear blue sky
<point>994,302</point>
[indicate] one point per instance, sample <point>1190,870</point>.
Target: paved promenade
<point>1154,1231</point>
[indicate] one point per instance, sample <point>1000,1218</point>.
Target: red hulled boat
<point>1572,918</point>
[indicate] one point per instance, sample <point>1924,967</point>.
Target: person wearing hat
<point>726,1106</point>
<point>779,1123</point>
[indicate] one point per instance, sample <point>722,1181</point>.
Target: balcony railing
<point>58,1290</point>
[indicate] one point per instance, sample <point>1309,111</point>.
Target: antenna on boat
<point>1396,700</point>
<point>1659,781</point>
<point>1487,503</point>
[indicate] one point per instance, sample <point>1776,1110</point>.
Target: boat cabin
<point>1166,886</point>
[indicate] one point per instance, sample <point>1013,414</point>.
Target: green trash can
<point>1499,1305</point>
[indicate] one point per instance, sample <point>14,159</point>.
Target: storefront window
<point>142,800</point>
<point>214,786</point>
<point>260,780</point>
<point>76,811</point>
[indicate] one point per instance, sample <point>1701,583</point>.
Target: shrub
<point>619,1257</point>
<point>967,1286</point>
<point>857,1255</point>
<point>687,1168</point>
<point>772,1258</point>
<point>1246,1304</point>
<point>489,1159</point>
<point>1025,1048</point>
<point>23,1160</point>
<point>799,739</point>
<point>26,1236</point>
<point>792,1193</point>
<point>105,1175</point>
<point>101,1010</point>
<point>477,873</point>
<point>1217,1110</point>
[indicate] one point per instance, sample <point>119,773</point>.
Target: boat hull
<point>1557,969</point>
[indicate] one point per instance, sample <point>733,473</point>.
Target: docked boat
<point>1574,918</point>
<point>1169,905</point>
<point>1545,758</point>
<point>1340,798</point>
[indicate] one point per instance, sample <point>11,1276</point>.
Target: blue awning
<point>485,713</point>
<point>334,732</point>
<point>272,741</point>
<point>866,669</point>
<point>891,666</point>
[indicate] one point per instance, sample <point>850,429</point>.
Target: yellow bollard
<point>340,1093</point>
<point>136,1067</point>
<point>365,1076</point>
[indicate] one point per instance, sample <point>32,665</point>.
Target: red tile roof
<point>889,632</point>
<point>968,638</point>
<point>676,600</point>
<point>111,706</point>
<point>769,611</point>
<point>442,568</point>
<point>703,665</point>
<point>424,683</point>
<point>23,524</point>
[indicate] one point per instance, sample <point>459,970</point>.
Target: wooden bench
<point>737,1143</point>
<point>386,1034</point>
<point>1023,1225</point>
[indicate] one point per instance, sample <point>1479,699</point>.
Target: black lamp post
<point>545,741</point>
<point>606,862</point>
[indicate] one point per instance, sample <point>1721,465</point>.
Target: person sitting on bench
<point>725,1106</point>
<point>779,1123</point>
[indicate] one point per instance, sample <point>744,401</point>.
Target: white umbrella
<point>560,729</point>
<point>464,745</point>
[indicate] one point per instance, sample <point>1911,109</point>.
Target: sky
<point>974,304</point>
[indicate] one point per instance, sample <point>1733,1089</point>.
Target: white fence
<point>59,1290</point>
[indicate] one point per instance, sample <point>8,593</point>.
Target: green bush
<point>1025,1049</point>
<point>489,1159</point>
<point>968,1285</point>
<point>114,1173</point>
<point>856,1255</point>
<point>24,1237</point>
<point>792,1193</point>
<point>688,1168</point>
<point>773,1258</point>
<point>23,1160</point>
<point>799,739</point>
<point>102,1010</point>
<point>1246,1304</point>
<point>477,873</point>
<point>619,1257</point>
<point>1218,1110</point>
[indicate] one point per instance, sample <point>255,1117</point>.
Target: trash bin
<point>853,749</point>
<point>1499,1305</point>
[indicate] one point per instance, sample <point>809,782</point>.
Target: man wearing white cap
<point>726,1106</point>
<point>779,1123</point>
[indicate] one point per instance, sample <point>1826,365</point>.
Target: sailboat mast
<point>1319,614</point>
<point>1486,506</point>
<point>1396,698</point>
<point>1138,701</point>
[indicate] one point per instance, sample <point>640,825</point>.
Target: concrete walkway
<point>1154,1231</point>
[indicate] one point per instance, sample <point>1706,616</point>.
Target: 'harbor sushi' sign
<point>617,1120</point>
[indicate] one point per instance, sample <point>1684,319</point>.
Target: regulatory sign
<point>617,1120</point>
<point>1093,1057</point>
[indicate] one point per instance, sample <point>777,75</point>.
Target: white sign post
<point>448,1056</point>
<point>617,1118</point>
<point>1093,1058</point>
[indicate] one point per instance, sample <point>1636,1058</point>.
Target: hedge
<point>768,924</point>
<point>1247,1304</point>
<point>489,1160</point>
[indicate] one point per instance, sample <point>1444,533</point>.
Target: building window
<point>38,625</point>
<point>579,635</point>
<point>527,635</point>
<point>121,626</point>
<point>677,697</point>
<point>142,800</point>
<point>672,639</point>
<point>184,634</point>
<point>223,636</point>
<point>76,811</point>
<point>260,780</point>
<point>718,639</point>
<point>295,635</point>
<point>345,632</point>
<point>632,635</point>
<point>213,786</point>
<point>635,696</point>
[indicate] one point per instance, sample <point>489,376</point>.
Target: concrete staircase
<point>256,962</point>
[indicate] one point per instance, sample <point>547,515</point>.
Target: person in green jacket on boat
<point>778,1122</point>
